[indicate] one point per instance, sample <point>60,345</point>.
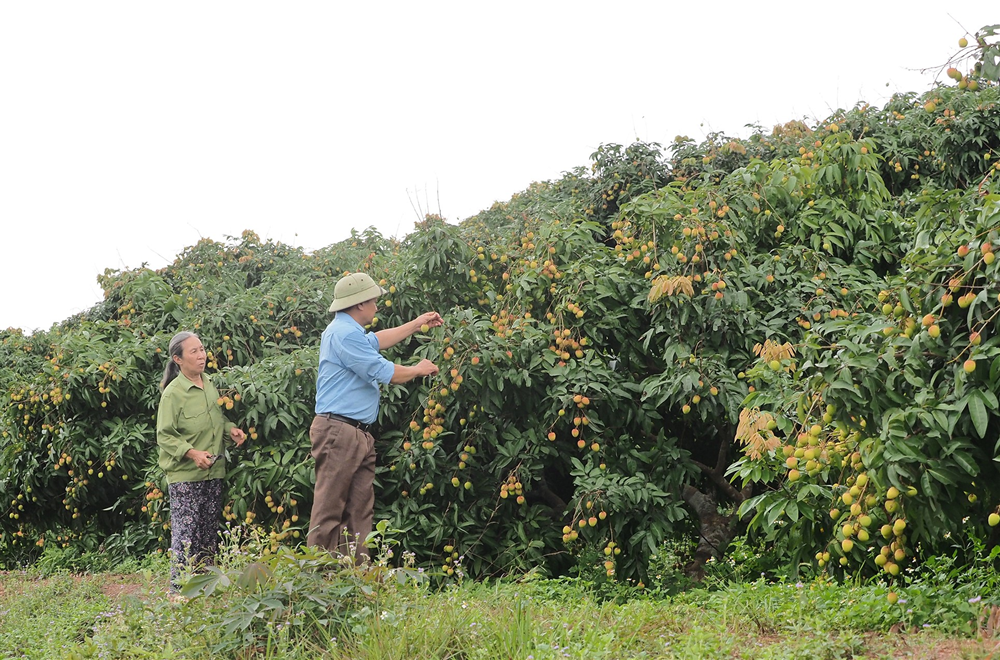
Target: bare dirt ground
<point>918,648</point>
<point>118,586</point>
<point>113,586</point>
<point>901,644</point>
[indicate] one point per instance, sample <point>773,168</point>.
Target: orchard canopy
<point>791,337</point>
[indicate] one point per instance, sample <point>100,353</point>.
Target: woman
<point>190,430</point>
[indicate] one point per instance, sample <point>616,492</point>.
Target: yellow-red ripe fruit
<point>934,331</point>
<point>928,320</point>
<point>963,250</point>
<point>969,366</point>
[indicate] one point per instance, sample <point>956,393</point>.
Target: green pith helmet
<point>354,288</point>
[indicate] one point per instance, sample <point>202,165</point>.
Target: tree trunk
<point>715,531</point>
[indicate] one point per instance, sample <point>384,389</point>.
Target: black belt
<point>361,426</point>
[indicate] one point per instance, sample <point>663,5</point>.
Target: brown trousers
<point>345,495</point>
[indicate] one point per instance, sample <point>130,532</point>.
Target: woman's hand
<point>202,459</point>
<point>238,436</point>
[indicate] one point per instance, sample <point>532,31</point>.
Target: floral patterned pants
<point>195,511</point>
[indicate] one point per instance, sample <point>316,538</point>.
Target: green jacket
<point>190,418</point>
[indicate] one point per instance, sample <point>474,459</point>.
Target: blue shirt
<point>350,369</point>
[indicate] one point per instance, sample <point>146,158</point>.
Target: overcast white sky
<point>130,129</point>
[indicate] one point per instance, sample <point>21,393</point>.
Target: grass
<point>63,615</point>
<point>299,604</point>
<point>41,619</point>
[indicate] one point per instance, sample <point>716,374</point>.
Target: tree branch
<point>715,475</point>
<point>542,491</point>
<point>720,462</point>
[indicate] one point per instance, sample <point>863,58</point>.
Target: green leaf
<point>966,463</point>
<point>977,410</point>
<point>991,62</point>
<point>792,511</point>
<point>989,399</point>
<point>904,300</point>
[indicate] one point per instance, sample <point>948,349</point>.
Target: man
<point>347,396</point>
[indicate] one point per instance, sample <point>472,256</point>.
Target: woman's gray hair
<point>174,348</point>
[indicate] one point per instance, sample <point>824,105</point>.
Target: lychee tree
<point>738,335</point>
<point>890,409</point>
